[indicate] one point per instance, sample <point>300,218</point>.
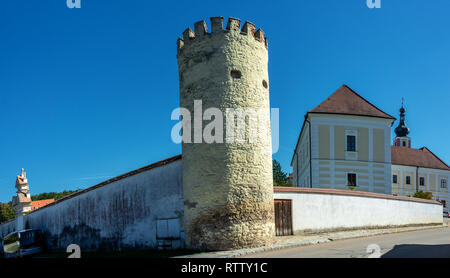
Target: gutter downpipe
<point>310,154</point>
<point>296,155</point>
<point>417,178</point>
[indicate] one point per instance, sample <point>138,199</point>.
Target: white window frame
<point>396,179</point>
<point>351,155</point>
<point>444,183</point>
<point>420,178</point>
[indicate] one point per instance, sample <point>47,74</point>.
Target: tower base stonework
<point>227,187</point>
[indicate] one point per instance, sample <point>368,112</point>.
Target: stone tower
<point>228,186</point>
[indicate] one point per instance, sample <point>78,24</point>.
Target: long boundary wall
<point>140,209</point>
<point>316,210</point>
<point>144,209</point>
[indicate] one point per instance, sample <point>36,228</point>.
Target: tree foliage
<point>423,195</point>
<point>52,195</point>
<point>279,177</point>
<point>6,212</point>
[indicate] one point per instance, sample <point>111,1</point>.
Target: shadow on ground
<point>123,254</point>
<point>418,251</point>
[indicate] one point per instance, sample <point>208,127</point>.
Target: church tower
<point>22,202</point>
<point>227,187</point>
<point>402,131</point>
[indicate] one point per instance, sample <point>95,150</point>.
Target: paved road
<point>432,243</point>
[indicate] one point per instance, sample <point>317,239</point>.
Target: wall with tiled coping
<point>316,210</point>
<point>144,209</point>
<point>139,209</point>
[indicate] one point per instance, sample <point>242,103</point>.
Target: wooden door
<point>283,217</point>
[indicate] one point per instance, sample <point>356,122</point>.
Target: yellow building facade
<point>341,147</point>
<point>407,180</point>
<point>345,144</point>
<point>415,170</point>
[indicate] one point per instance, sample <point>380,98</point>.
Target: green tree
<point>6,212</point>
<point>52,195</point>
<point>423,195</point>
<point>279,177</point>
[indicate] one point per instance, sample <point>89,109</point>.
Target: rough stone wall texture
<point>120,215</point>
<point>228,187</point>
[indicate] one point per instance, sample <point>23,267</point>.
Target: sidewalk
<point>301,240</point>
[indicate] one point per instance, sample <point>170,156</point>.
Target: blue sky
<point>86,94</point>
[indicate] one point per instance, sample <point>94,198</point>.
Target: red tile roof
<point>346,192</point>
<point>422,157</point>
<point>346,101</point>
<point>41,203</point>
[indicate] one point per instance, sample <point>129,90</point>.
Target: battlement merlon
<point>233,25</point>
<point>200,28</point>
<point>216,24</point>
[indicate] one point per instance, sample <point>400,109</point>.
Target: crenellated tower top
<point>233,26</point>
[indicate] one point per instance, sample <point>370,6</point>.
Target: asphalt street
<point>430,243</point>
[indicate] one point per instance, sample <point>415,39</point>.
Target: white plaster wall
<point>319,212</point>
<point>7,228</point>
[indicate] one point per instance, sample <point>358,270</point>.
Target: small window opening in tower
<point>264,83</point>
<point>236,74</point>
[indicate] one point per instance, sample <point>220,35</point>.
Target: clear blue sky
<point>86,94</point>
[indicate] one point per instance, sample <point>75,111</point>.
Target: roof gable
<point>422,157</point>
<point>346,101</point>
